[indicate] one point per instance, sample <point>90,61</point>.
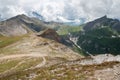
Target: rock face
<point>51,34</point>
<point>103,21</point>
<point>20,25</point>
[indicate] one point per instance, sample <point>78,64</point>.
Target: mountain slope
<point>35,58</point>
<point>81,69</point>
<point>32,52</point>
<point>101,36</point>
<point>42,56</point>
<point>20,25</point>
<point>35,44</point>
<point>50,34</point>
<point>103,21</point>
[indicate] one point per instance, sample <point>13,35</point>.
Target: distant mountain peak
<point>105,16</point>
<point>103,21</point>
<point>21,16</point>
<point>57,18</point>
<point>19,25</point>
<point>101,18</point>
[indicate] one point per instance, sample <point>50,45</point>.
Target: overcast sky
<point>69,9</point>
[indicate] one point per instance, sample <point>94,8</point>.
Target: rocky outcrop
<point>50,34</point>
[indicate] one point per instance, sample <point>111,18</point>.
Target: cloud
<point>68,9</point>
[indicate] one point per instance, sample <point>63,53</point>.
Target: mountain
<point>41,56</point>
<point>101,36</point>
<point>21,51</point>
<point>58,19</point>
<point>36,15</point>
<point>20,25</point>
<point>53,35</point>
<point>103,21</point>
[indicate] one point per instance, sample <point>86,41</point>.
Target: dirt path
<point>39,65</point>
<point>21,55</point>
<point>42,63</point>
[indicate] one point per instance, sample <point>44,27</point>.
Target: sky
<point>63,9</point>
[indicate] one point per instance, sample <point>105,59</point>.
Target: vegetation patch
<point>65,30</point>
<point>67,70</point>
<point>5,41</point>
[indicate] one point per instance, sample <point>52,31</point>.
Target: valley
<point>31,49</point>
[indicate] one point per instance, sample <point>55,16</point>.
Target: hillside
<point>23,48</point>
<point>32,52</point>
<point>40,53</point>
<point>34,57</point>
<point>103,21</point>
<point>16,28</point>
<point>33,43</point>
<point>50,34</point>
<point>98,67</point>
<point>20,25</point>
<point>65,30</point>
<point>100,36</point>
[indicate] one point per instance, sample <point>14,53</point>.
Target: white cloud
<point>68,9</point>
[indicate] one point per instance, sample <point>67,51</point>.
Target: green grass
<point>17,66</point>
<point>8,65</point>
<point>68,72</point>
<point>69,29</point>
<point>78,50</point>
<point>28,63</point>
<point>5,41</point>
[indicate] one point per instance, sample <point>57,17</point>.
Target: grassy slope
<point>69,29</point>
<point>63,71</point>
<point>74,30</point>
<point>8,67</point>
<point>5,41</point>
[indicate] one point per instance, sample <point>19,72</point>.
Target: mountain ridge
<point>20,25</point>
<point>103,21</point>
<point>101,36</point>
